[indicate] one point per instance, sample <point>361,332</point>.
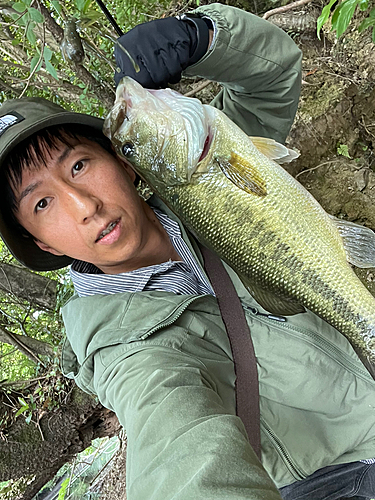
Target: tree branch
<point>38,290</point>
<point>103,94</point>
<point>28,346</point>
<point>285,8</point>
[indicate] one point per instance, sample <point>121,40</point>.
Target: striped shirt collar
<point>181,277</point>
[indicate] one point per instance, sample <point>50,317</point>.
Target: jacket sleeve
<point>183,442</point>
<point>259,67</point>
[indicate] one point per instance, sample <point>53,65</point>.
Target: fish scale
<point>319,285</point>
<point>270,230</point>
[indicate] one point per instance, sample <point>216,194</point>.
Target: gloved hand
<point>162,49</point>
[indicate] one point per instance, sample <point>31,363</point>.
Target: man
<point>144,332</point>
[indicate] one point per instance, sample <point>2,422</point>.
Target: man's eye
<point>78,167</point>
<point>41,204</point>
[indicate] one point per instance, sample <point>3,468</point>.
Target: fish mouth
<point>107,229</point>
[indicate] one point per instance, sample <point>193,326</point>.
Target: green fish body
<point>243,205</point>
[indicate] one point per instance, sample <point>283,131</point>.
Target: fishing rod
<point>119,33</point>
<point>108,15</point>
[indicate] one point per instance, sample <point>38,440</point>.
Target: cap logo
<point>9,120</point>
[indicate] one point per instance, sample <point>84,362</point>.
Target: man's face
<point>84,205</point>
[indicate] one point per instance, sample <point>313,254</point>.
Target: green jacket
<point>163,362</point>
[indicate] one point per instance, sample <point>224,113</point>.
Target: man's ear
<point>46,248</point>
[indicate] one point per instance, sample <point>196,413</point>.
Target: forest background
<point>45,420</point>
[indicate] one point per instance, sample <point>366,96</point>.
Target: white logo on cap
<point>7,121</point>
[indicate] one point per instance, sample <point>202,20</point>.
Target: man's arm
<point>182,441</point>
<point>162,363</point>
<point>258,64</point>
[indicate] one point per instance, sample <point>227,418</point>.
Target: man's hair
<point>34,152</point>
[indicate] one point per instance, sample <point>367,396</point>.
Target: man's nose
<point>81,203</point>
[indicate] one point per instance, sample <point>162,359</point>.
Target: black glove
<point>162,49</point>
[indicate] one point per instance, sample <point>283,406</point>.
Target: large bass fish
<point>232,195</point>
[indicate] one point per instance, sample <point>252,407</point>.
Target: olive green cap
<point>19,119</point>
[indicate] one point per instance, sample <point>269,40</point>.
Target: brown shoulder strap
<point>247,386</point>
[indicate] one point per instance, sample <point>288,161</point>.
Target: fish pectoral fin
<point>274,150</point>
<point>359,242</point>
<point>271,302</point>
<point>243,174</point>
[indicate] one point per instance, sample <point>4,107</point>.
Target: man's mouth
<point>110,227</point>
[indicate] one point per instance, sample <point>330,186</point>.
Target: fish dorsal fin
<point>271,302</point>
<point>243,174</point>
<point>359,242</point>
<point>274,150</point>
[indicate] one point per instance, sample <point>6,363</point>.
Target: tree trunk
<point>36,289</point>
<point>28,450</point>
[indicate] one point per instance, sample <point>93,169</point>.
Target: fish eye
<point>128,149</point>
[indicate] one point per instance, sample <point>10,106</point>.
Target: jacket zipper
<point>290,464</point>
<point>172,318</point>
<point>327,346</point>
<point>296,472</point>
<point>254,310</point>
<point>336,353</point>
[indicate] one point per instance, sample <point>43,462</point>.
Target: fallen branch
<point>314,168</point>
<point>285,8</point>
<point>197,89</point>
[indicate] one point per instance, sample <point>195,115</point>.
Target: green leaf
<point>22,401</point>
<point>21,410</point>
<point>51,70</point>
<point>343,150</point>
<point>372,13</point>
<point>30,35</point>
<point>90,18</point>
<point>35,15</point>
<point>28,418</point>
<point>47,53</point>
<point>335,15</point>
<point>80,5</point>
<point>22,21</point>
<point>344,17</point>
<point>373,35</point>
<point>34,62</point>
<point>16,42</point>
<point>64,486</point>
<point>57,6</point>
<point>87,6</point>
<point>363,4</point>
<point>366,23</point>
<point>19,6</point>
<point>323,18</point>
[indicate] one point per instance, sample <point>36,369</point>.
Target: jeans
<point>337,482</point>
